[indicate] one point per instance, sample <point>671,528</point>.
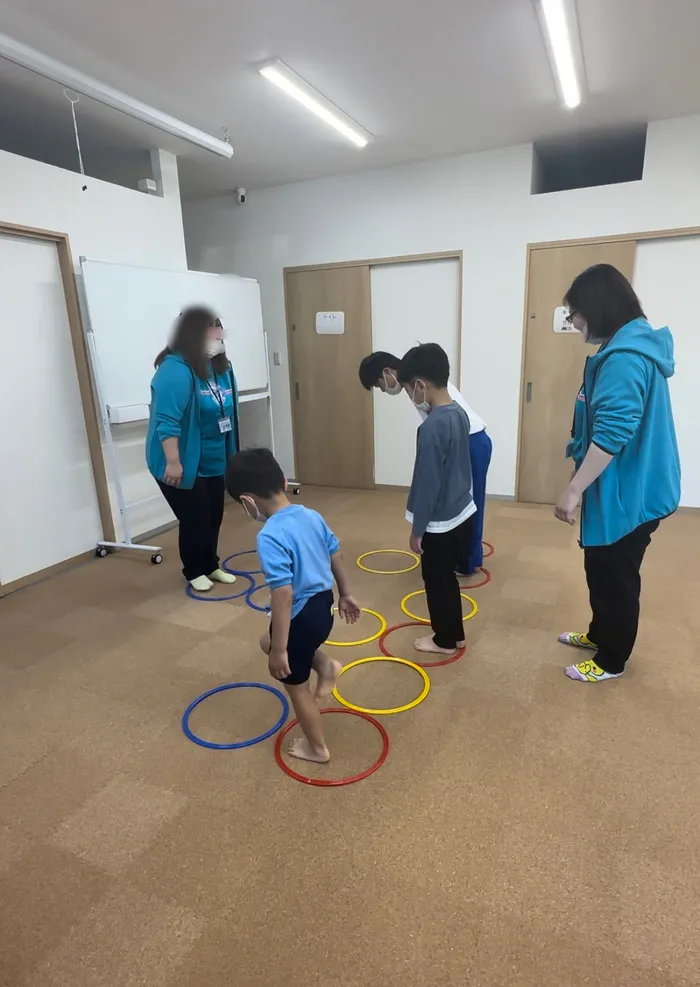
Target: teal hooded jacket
<point>175,413</point>
<point>624,407</point>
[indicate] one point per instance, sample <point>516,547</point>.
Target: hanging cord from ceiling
<point>73,99</point>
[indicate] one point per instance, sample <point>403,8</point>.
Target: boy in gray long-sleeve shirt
<point>440,503</point>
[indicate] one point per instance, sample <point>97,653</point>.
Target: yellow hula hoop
<point>423,620</point>
<point>365,640</point>
<point>397,709</point>
<point>388,572</point>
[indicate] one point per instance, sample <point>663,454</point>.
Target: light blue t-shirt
<point>215,402</point>
<point>295,548</point>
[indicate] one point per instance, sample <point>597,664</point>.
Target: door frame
<point>666,234</point>
<point>457,255</point>
<point>90,417</point>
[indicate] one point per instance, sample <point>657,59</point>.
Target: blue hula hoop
<point>221,599</point>
<point>235,572</point>
<point>242,743</point>
<point>254,606</point>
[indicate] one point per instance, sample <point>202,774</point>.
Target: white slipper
<point>202,584</point>
<point>220,576</point>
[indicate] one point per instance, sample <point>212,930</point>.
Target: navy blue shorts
<point>307,632</point>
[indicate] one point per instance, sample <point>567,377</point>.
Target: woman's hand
<point>416,545</point>
<point>173,474</point>
<point>566,506</point>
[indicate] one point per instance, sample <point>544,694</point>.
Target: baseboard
<point>47,573</point>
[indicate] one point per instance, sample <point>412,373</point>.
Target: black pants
<point>441,555</point>
<point>614,585</point>
<point>200,512</point>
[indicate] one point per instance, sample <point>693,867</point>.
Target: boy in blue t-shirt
<point>300,558</point>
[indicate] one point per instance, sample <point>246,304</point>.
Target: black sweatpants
<point>441,556</point>
<point>614,585</point>
<point>200,512</point>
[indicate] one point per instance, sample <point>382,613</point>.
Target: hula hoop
<point>388,572</point>
<point>237,572</point>
<point>334,782</point>
<point>425,620</point>
<point>254,606</point>
<point>242,743</point>
<point>423,664</point>
<point>488,545</point>
<point>395,709</point>
<point>477,585</point>
<point>365,640</point>
<point>221,599</point>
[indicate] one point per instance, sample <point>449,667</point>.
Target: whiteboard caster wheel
<point>296,491</point>
<point>156,558</point>
<point>101,552</point>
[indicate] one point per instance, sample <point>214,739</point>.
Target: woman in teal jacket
<point>627,468</point>
<point>193,430</point>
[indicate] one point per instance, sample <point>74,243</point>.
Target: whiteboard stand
<point>103,547</point>
<point>293,486</point>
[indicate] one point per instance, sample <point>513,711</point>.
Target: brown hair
<point>188,341</point>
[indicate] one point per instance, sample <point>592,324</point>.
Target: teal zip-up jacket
<point>624,407</point>
<point>175,414</point>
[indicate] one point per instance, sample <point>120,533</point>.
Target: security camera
<point>242,196</point>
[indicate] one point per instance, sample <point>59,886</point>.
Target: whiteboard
<point>131,312</point>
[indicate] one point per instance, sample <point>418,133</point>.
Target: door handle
<point>528,392</point>
<point>296,391</point>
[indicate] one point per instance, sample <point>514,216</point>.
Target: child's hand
<point>416,545</point>
<point>349,609</point>
<point>278,664</point>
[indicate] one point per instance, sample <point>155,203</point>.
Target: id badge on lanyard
<point>224,421</point>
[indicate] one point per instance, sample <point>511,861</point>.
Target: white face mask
<point>421,405</point>
<point>252,510</point>
<point>391,385</point>
<point>213,347</point>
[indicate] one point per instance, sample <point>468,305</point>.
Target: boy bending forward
<point>440,504</point>
<point>300,557</point>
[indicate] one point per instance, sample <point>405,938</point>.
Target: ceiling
<point>427,79</point>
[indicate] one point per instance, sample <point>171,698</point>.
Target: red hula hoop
<point>423,664</point>
<point>330,782</point>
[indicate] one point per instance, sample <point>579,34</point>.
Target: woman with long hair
<point>193,430</point>
<point>627,469</point>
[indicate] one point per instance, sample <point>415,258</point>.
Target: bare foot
<point>426,644</point>
<point>302,749</point>
<point>461,644</point>
<point>325,683</point>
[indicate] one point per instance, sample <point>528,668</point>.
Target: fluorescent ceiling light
<point>64,75</point>
<point>293,85</point>
<point>558,35</point>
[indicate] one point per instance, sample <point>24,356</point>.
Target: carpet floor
<point>524,831</point>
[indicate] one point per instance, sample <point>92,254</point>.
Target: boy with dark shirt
<point>440,504</point>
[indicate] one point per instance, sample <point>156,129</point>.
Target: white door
<point>48,504</point>
<point>412,302</point>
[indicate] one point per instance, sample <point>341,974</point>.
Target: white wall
<point>111,223</point>
<point>479,203</point>
<point>665,274</point>
<point>411,303</point>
